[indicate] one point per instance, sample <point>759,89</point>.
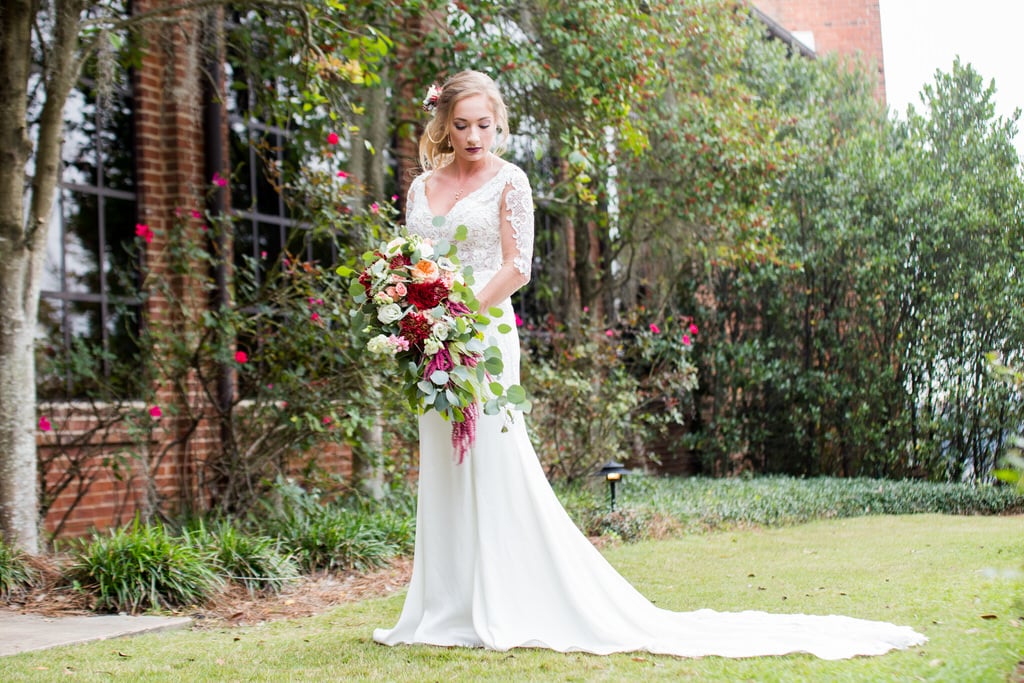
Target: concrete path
<point>27,632</point>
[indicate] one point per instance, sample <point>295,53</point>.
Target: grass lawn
<point>955,579</point>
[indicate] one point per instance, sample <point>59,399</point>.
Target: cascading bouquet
<point>414,302</point>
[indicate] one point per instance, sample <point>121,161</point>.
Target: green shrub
<point>598,390</point>
<point>330,536</point>
<point>656,506</point>
<point>700,502</point>
<point>254,561</point>
<point>16,575</point>
<point>143,567</point>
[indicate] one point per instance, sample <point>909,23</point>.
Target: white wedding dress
<point>498,562</point>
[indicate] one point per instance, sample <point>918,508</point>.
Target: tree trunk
<point>23,237</point>
<point>379,136</point>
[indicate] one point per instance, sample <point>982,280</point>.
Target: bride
<point>498,563</point>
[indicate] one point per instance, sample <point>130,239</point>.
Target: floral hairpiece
<point>433,95</point>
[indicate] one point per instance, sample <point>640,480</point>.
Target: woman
<point>498,563</point>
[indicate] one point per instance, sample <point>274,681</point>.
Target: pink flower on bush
<point>44,424</point>
<point>196,213</point>
<point>332,138</point>
<point>693,329</point>
<point>219,180</point>
<point>156,413</point>
<point>326,420</point>
<point>686,340</point>
<point>241,357</point>
<point>342,175</point>
<point>655,329</point>
<point>315,316</point>
<point>144,231</point>
<point>609,333</point>
<point>519,321</point>
<point>375,207</point>
<point>394,197</point>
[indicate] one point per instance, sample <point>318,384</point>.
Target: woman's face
<point>472,128</point>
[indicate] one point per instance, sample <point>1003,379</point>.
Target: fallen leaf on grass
<point>989,616</point>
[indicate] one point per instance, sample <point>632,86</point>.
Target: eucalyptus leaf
<point>516,393</point>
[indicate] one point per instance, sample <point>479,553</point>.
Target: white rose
<point>378,345</point>
<point>440,330</point>
<point>389,313</point>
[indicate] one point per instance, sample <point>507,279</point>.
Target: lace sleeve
<point>519,206</point>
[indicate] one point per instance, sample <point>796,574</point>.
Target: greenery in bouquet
<point>414,303</point>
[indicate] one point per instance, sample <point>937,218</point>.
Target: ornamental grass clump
<point>143,567</point>
<point>328,536</point>
<point>254,561</point>
<point>16,574</point>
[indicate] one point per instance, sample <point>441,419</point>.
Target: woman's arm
<point>516,229</point>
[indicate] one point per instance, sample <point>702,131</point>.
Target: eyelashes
<point>463,126</point>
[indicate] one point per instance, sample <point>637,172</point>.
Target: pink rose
<point>332,138</point>
<point>241,357</point>
<point>693,328</point>
<point>156,413</point>
<point>655,329</point>
<point>44,424</point>
<point>144,231</point>
<point>686,340</point>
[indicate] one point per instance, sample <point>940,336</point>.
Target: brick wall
<point>846,27</point>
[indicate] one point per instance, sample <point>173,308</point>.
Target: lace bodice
<point>480,211</point>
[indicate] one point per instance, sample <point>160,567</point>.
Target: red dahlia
<point>398,261</point>
<point>366,280</point>
<point>426,295</point>
<point>415,327</point>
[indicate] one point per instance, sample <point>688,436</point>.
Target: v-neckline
<point>451,208</point>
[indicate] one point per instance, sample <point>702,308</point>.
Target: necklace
<point>458,192</point>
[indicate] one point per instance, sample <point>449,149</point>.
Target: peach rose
<point>425,271</point>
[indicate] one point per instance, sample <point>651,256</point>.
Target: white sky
<point>920,36</point>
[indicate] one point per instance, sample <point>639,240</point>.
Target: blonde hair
<point>435,145</point>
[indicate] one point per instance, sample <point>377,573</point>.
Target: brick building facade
<point>846,27</point>
<point>145,157</point>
